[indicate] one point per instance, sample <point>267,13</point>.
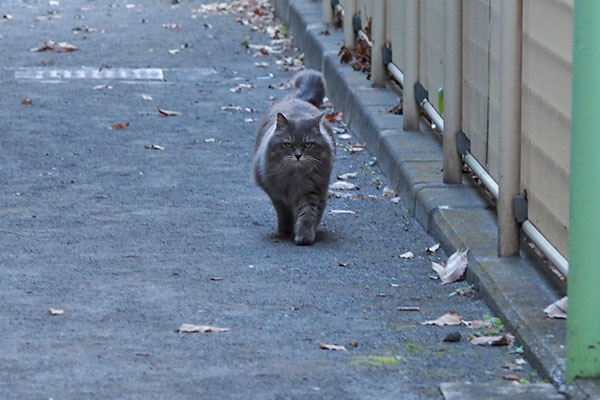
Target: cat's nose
<point>298,156</point>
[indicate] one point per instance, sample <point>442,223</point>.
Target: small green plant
<point>462,291</point>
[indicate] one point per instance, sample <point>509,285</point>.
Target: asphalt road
<point>131,242</point>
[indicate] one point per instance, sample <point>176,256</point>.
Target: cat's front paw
<point>305,239</point>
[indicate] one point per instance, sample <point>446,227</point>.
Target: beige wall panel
<point>431,68</point>
<point>546,116</point>
<point>476,35</point>
<point>493,154</point>
<point>395,30</point>
<point>365,9</point>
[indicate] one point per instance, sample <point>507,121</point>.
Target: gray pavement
<point>132,242</point>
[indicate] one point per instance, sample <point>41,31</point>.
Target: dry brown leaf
<point>190,328</point>
<point>346,55</point>
<point>451,318</point>
<point>478,324</point>
<point>388,192</point>
<point>454,269</point>
<point>557,310</point>
<point>342,185</point>
<point>325,346</point>
<point>408,308</point>
<point>350,212</point>
<point>50,45</point>
<point>56,311</point>
<point>27,102</point>
<point>335,116</point>
<point>347,176</point>
<point>120,125</point>
<point>168,113</point>
<point>433,249</point>
<point>496,340</point>
<point>341,263</point>
<point>407,255</point>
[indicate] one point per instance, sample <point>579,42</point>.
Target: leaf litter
<point>50,45</point>
<point>190,328</point>
<point>454,269</point>
<point>343,185</point>
<point>450,318</point>
<point>168,113</point>
<point>557,310</point>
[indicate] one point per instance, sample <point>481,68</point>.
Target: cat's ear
<point>282,122</point>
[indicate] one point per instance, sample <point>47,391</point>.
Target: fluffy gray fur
<point>294,153</point>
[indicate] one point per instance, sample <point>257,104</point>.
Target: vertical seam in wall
<point>489,65</point>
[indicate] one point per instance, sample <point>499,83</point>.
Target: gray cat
<point>294,151</point>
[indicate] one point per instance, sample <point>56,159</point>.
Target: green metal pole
<point>583,326</point>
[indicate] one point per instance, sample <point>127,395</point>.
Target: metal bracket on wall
<point>463,143</point>
<point>520,208</point>
<point>421,94</point>
<point>356,23</point>
<point>386,53</point>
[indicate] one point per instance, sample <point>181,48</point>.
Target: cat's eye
<point>288,144</point>
<point>308,145</point>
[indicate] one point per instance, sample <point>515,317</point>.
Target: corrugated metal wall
<point>546,117</point>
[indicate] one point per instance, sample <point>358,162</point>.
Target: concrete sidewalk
<point>132,232</point>
<point>460,216</point>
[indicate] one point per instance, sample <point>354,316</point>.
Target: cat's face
<point>300,143</point>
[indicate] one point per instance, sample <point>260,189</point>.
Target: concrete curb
<point>459,216</point>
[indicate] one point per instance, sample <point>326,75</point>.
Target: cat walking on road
<point>294,151</point>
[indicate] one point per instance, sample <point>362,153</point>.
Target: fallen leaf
<point>345,136</point>
<point>520,361</point>
<point>335,116</point>
<point>120,125</point>
<point>357,148</point>
<point>147,97</point>
<point>454,269</point>
<point>557,310</point>
<point>190,328</point>
<point>324,346</point>
<point>346,55</point>
<point>396,199</point>
<point>408,308</point>
<point>342,185</point>
<point>56,311</point>
<point>168,113</point>
<point>511,377</point>
<point>388,192</point>
<point>341,195</point>
<point>451,318</point>
<point>27,102</point>
<point>347,176</point>
<point>174,51</point>
<point>249,120</point>
<point>407,255</point>
<point>497,340</point>
<point>350,212</point>
<point>50,45</point>
<point>478,324</point>
<point>154,147</point>
<point>340,263</point>
<point>98,87</point>
<point>230,107</point>
<point>261,64</point>
<point>433,248</point>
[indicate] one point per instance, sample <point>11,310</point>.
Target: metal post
<point>378,70</point>
<point>583,326</point>
<point>327,12</point>
<point>510,125</point>
<point>452,89</point>
<point>411,64</point>
<point>349,11</point>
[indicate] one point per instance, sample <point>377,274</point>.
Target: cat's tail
<point>310,86</point>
